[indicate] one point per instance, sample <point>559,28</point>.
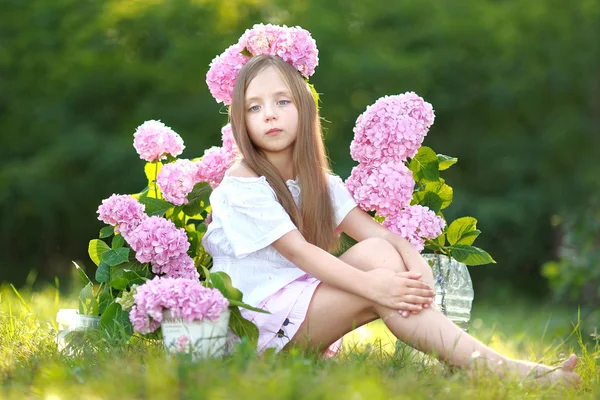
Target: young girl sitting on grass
<point>274,221</point>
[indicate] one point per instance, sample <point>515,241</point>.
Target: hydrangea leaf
<point>247,306</point>
<point>197,199</point>
<point>469,237</point>
<point>88,305</point>
<point>116,257</point>
<point>155,207</point>
<point>222,281</point>
<point>242,327</point>
<point>96,248</point>
<point>107,231</point>
<point>117,242</point>
<point>428,199</point>
<point>82,275</point>
<point>151,169</point>
<point>470,255</point>
<point>425,165</point>
<point>443,190</point>
<point>459,227</point>
<point>116,321</point>
<point>103,272</point>
<point>446,161</point>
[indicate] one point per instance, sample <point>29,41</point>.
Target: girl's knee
<point>381,254</point>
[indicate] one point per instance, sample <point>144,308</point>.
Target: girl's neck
<point>284,164</point>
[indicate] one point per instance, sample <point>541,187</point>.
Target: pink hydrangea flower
<point>416,223</point>
<point>180,267</point>
<point>294,45</point>
<point>215,162</point>
<point>153,140</point>
<point>121,211</point>
<point>393,128</point>
<point>176,180</point>
<point>228,139</point>
<point>385,188</point>
<point>223,72</point>
<point>185,298</point>
<point>158,241</point>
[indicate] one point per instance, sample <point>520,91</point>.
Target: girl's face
<point>271,115</point>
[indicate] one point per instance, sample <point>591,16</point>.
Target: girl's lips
<point>273,132</point>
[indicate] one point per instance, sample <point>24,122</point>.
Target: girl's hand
<point>402,291</point>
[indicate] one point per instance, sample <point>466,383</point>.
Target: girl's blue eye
<point>283,102</point>
<point>253,108</point>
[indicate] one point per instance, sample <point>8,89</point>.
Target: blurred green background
<point>515,86</point>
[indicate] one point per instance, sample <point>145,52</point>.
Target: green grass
<point>370,367</point>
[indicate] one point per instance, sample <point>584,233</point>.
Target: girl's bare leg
<point>334,312</point>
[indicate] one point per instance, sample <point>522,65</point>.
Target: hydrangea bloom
<point>393,128</point>
<point>180,267</point>
<point>223,71</point>
<point>158,241</point>
<point>385,188</point>
<point>176,180</point>
<point>415,224</point>
<point>153,140</point>
<point>214,164</point>
<point>121,211</point>
<point>185,298</point>
<point>294,45</point>
<point>228,139</point>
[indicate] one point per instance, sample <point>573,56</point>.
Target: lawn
<point>371,365</point>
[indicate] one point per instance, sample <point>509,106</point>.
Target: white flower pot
<point>203,339</point>
<point>70,321</point>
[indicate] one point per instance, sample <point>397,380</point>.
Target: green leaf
<point>247,306</point>
<point>116,321</point>
<point>470,255</point>
<point>446,161</point>
<point>117,242</point>
<point>242,327</point>
<point>151,169</point>
<point>425,166</point>
<point>440,240</point>
<point>103,301</point>
<point>106,231</point>
<point>88,305</point>
<point>459,227</point>
<point>82,275</point>
<point>197,199</point>
<point>116,257</point>
<point>428,199</point>
<point>155,207</point>
<point>222,281</point>
<point>96,248</point>
<point>444,191</point>
<point>103,272</point>
<point>127,274</point>
<point>469,237</point>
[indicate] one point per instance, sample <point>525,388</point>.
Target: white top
<point>246,220</point>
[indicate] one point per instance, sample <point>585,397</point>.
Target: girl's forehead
<point>269,81</point>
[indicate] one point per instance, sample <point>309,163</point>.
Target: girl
<point>274,221</point>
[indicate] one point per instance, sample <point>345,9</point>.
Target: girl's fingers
<point>421,292</point>
<point>418,284</point>
<point>417,299</point>
<point>404,306</point>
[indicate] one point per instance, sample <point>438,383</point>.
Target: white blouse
<point>246,220</point>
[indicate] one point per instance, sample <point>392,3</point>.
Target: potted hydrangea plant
<point>153,239</point>
<point>398,181</point>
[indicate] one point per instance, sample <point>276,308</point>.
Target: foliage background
<point>515,86</point>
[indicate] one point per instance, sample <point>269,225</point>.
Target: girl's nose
<point>269,113</point>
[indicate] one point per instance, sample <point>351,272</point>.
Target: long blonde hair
<point>315,220</point>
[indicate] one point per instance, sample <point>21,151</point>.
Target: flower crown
<point>293,44</point>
